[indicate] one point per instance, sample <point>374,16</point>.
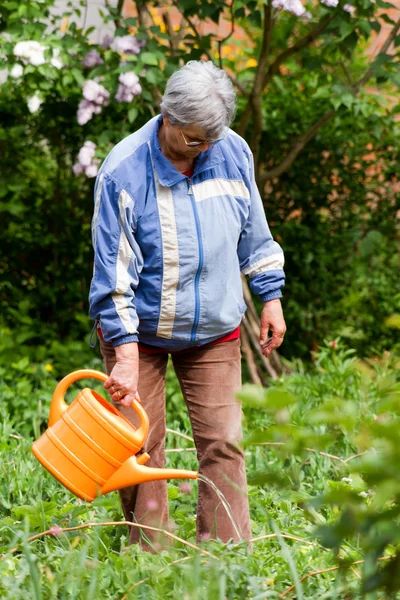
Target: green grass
<point>289,433</point>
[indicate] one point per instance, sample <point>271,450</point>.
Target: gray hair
<point>200,94</point>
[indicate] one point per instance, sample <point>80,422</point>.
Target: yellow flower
<point>270,581</point>
<point>49,367</point>
<point>251,62</point>
<point>64,24</point>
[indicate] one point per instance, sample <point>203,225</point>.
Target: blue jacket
<point>169,250</point>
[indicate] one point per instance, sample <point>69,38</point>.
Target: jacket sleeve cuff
<point>271,295</point>
<point>125,339</point>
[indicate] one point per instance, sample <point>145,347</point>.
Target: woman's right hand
<point>122,383</point>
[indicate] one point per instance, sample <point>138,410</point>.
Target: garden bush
<point>324,208</point>
<point>322,456</point>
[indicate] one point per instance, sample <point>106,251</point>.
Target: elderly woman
<point>177,219</point>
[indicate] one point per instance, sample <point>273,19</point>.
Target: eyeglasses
<point>208,142</point>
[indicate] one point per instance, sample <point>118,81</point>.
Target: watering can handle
<point>58,404</point>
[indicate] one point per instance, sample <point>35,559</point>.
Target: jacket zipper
<point>199,268</point>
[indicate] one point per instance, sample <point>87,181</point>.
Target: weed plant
<point>316,506</point>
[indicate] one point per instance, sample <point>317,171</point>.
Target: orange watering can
<point>90,446</point>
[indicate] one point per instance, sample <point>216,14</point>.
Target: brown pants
<point>208,379</point>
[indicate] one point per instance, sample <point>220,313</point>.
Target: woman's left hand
<point>272,320</point>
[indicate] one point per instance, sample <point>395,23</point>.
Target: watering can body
<point>90,447</point>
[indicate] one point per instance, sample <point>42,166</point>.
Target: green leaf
<point>148,58</point>
<point>345,29</point>
<point>252,395</point>
<point>277,399</point>
<point>152,76</point>
<point>78,76</point>
<point>270,478</point>
<point>173,493</point>
<point>132,114</point>
<point>393,321</point>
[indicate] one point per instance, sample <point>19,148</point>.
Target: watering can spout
<point>133,472</point>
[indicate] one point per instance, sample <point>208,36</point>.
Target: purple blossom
<point>126,44</point>
<point>77,169</point>
<point>128,88</point>
<point>92,59</point>
<point>107,41</point>
<point>93,169</point>
<point>86,162</point>
<point>86,153</point>
<point>128,79</point>
<point>94,92</point>
<point>330,3</point>
<point>349,8</point>
<point>293,6</point>
<point>95,96</point>
<point>85,111</point>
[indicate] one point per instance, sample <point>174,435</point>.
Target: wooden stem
<point>249,357</point>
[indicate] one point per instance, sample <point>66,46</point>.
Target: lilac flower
<point>293,6</point>
<point>330,3</point>
<point>92,59</point>
<point>85,111</point>
<point>128,88</point>
<point>94,92</point>
<point>95,96</point>
<point>77,169</point>
<point>126,44</point>
<point>30,50</point>
<point>86,162</point>
<point>86,153</point>
<point>107,41</point>
<point>93,169</point>
<point>349,8</point>
<point>34,102</point>
<point>55,61</point>
<point>17,71</point>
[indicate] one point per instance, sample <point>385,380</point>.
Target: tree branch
<point>254,102</point>
<point>119,8</point>
<point>144,16</point>
<point>389,40</point>
<point>253,339</point>
<point>306,41</point>
<point>274,67</point>
<point>297,148</point>
<point>220,42</point>
<point>206,52</point>
<point>173,38</point>
<point>306,137</point>
<point>249,357</point>
<point>258,84</point>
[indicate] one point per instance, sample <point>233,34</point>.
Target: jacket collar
<point>167,174</point>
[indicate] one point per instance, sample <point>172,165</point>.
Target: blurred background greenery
<point>318,103</point>
<point>330,191</point>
